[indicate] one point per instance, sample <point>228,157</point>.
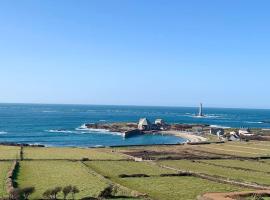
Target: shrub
<point>132,175</point>
<point>26,192</point>
<point>107,192</point>
<point>15,194</point>
<point>66,191</point>
<point>52,193</point>
<point>74,191</point>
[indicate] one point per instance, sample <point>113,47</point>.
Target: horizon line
<point>88,104</point>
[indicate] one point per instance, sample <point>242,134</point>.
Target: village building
<point>159,122</point>
<point>245,132</point>
<point>144,124</point>
<point>217,131</point>
<point>197,129</point>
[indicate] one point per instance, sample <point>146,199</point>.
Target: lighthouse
<point>200,114</point>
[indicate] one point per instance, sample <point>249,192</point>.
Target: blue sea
<point>60,125</point>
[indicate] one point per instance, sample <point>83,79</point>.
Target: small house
<point>197,129</point>
<point>159,122</point>
<point>144,124</point>
<point>217,131</point>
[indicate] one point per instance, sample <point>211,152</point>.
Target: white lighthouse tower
<point>200,114</point>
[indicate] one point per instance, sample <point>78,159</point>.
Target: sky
<point>136,52</point>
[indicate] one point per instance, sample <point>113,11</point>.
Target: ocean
<point>61,125</point>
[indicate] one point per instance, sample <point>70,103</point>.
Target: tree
<point>48,194</point>
<point>26,192</point>
<point>74,191</point>
<point>52,193</point>
<point>66,190</point>
<point>107,192</point>
<point>55,191</point>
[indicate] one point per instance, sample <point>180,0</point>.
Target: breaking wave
<point>219,126</point>
<point>3,132</point>
<point>59,131</point>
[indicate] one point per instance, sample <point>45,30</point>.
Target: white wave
<point>59,131</point>
<point>3,132</point>
<point>83,129</point>
<point>49,111</point>
<point>219,126</point>
<point>254,122</point>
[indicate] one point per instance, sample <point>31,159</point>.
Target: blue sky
<point>136,52</point>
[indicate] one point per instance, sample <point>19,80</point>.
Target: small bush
<point>133,175</point>
<point>26,192</point>
<point>107,192</point>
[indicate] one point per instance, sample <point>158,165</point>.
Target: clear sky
<point>136,52</point>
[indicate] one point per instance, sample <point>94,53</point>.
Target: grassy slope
<point>44,175</point>
<point>4,168</point>
<point>70,153</point>
<point>241,175</point>
<point>9,152</point>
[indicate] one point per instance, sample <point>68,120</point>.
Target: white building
<point>144,124</point>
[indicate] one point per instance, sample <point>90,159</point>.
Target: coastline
<point>188,136</point>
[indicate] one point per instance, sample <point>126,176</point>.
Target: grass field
<point>165,188</point>
<point>234,174</point>
<point>244,164</point>
<point>71,153</point>
<point>43,175</point>
<point>115,168</point>
<point>4,168</point>
<point>9,152</point>
<point>46,168</point>
<point>168,188</point>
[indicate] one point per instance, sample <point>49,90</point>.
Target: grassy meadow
<point>9,152</point>
<point>4,168</point>
<point>43,175</point>
<point>92,170</point>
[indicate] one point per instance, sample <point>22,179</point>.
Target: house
<point>144,124</point>
<point>245,132</point>
<point>217,131</point>
<point>159,122</point>
<point>197,129</point>
<point>233,136</point>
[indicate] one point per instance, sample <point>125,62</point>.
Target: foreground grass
<point>163,188</point>
<point>177,188</point>
<point>4,168</point>
<point>9,152</point>
<point>71,153</point>
<point>43,175</point>
<point>234,174</point>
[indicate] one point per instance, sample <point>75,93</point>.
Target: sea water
<point>61,125</point>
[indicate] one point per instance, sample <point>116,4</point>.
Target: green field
<point>244,164</point>
<point>168,188</point>
<point>4,168</point>
<point>157,187</point>
<point>9,152</point>
<point>71,153</point>
<point>115,168</point>
<point>91,170</point>
<point>234,174</point>
<point>43,175</point>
